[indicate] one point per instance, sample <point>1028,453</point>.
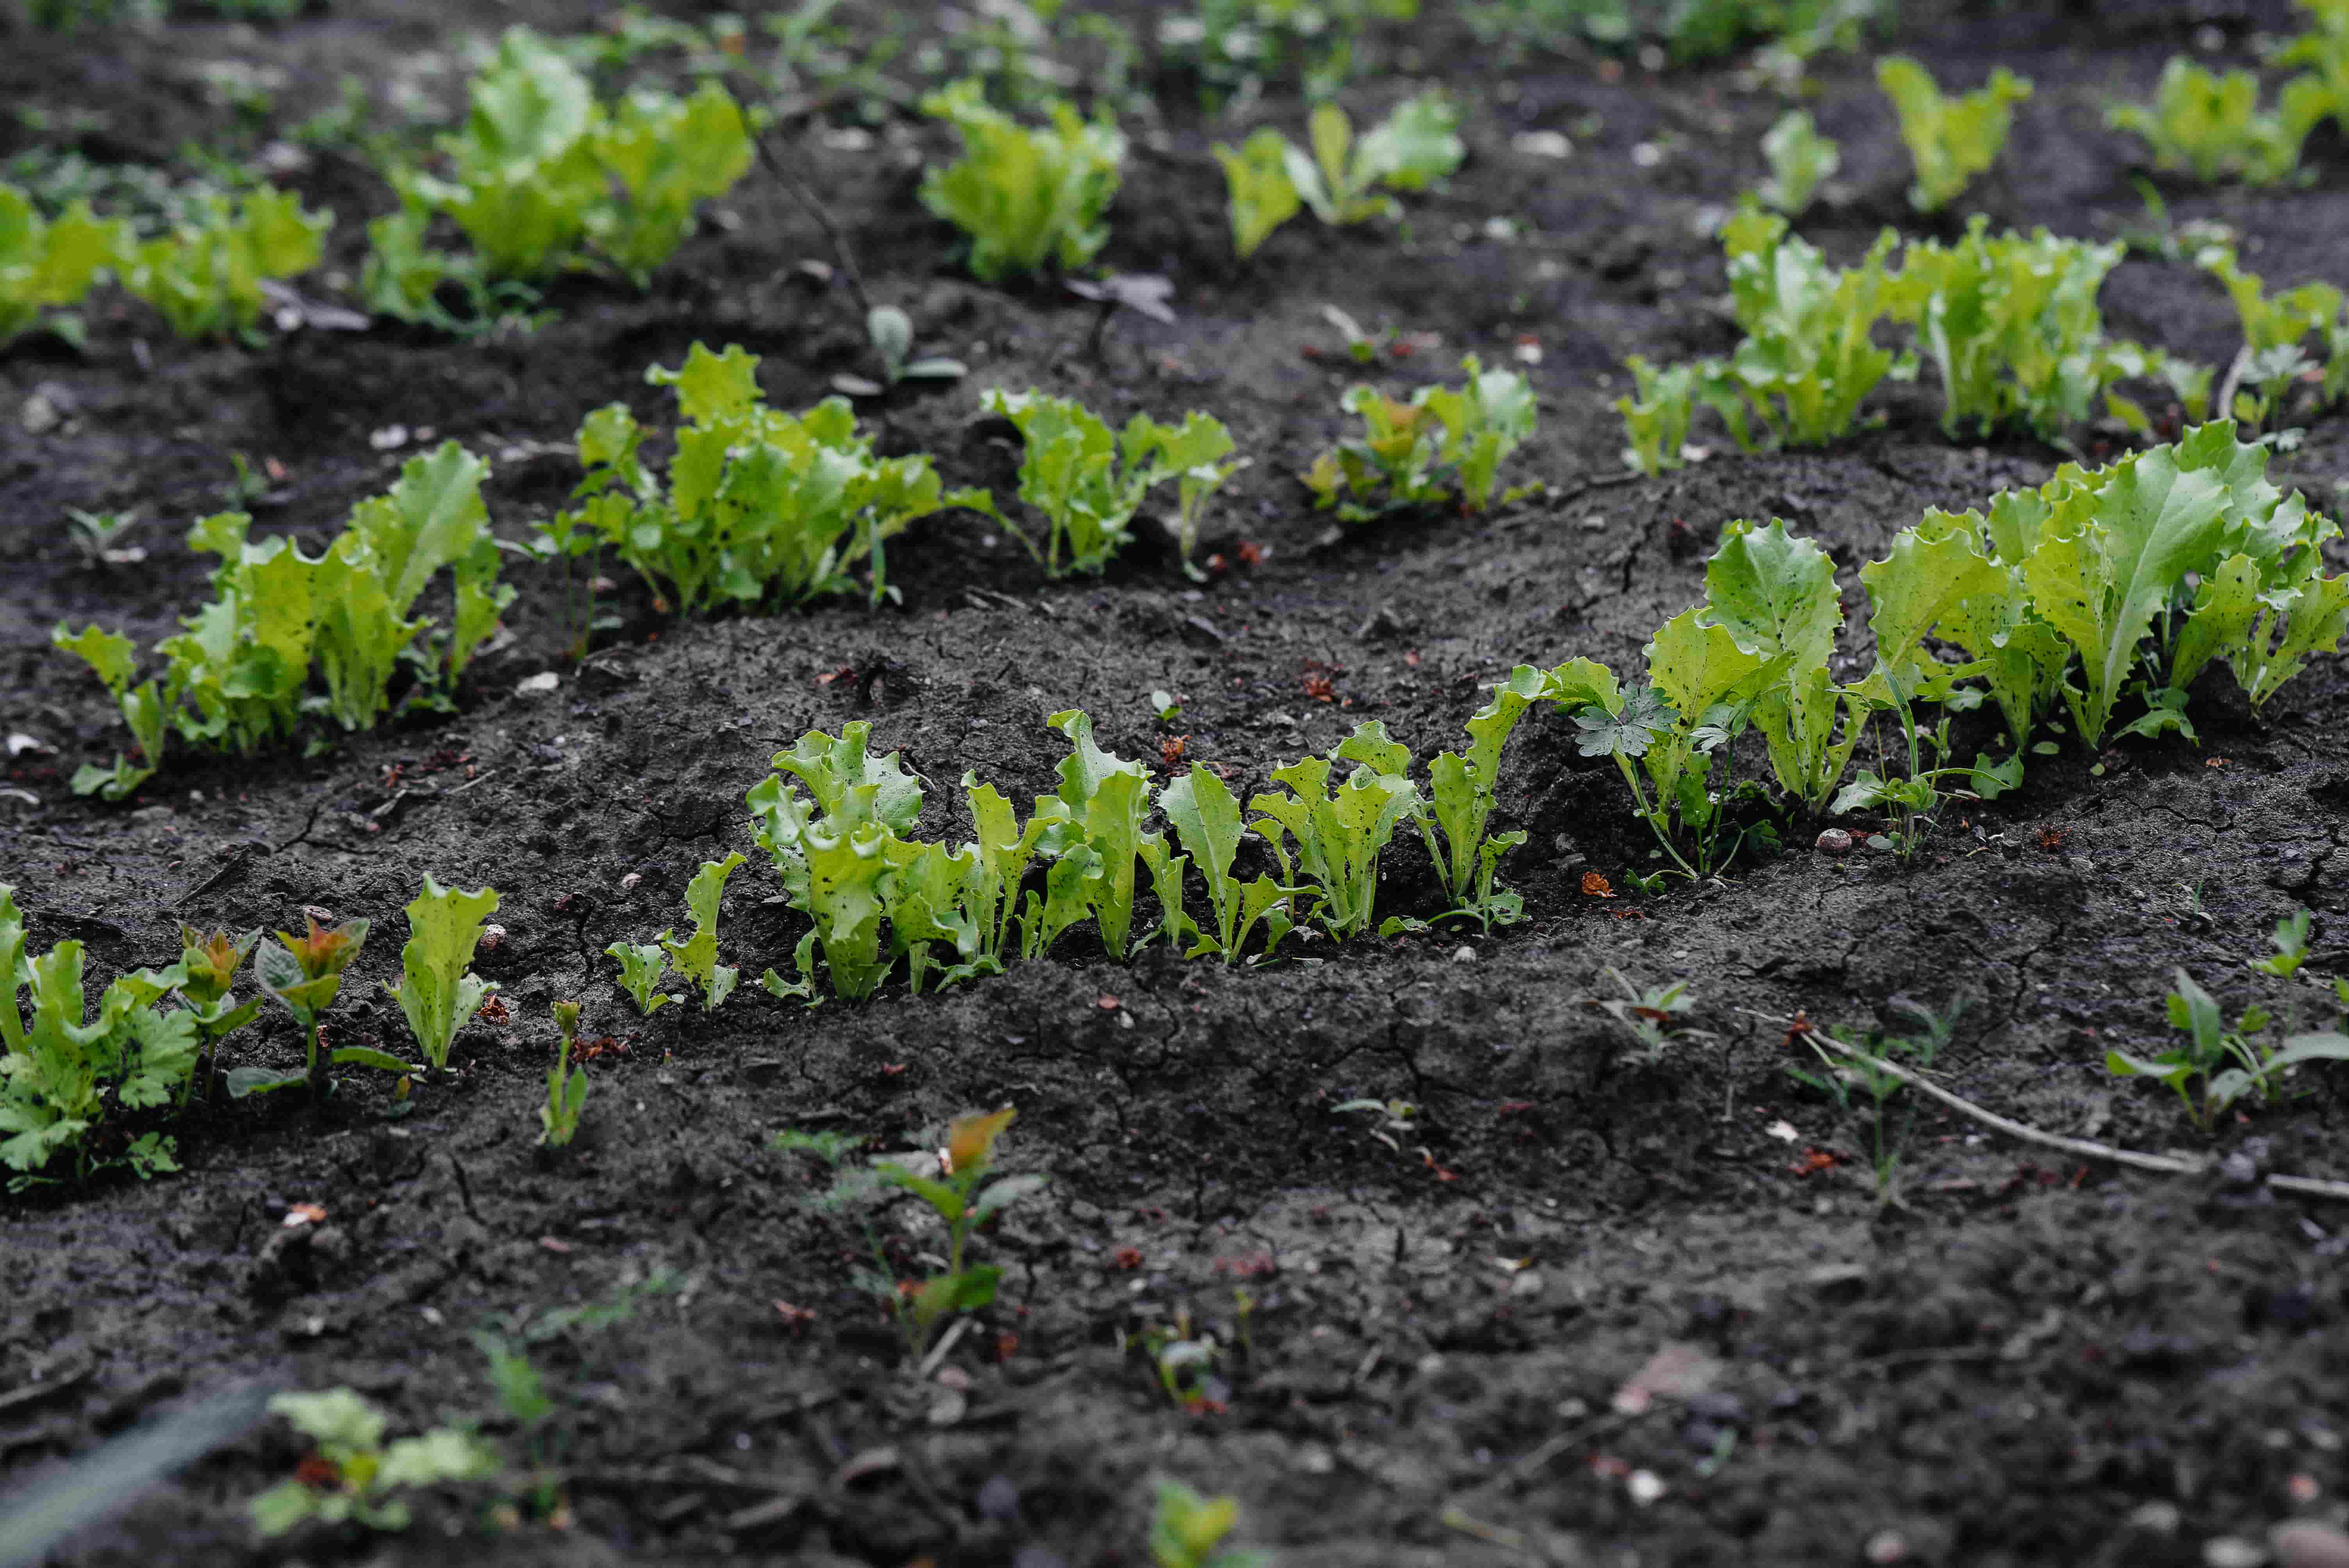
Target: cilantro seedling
<point>437,991</point>
<point>2210,125</point>
<point>1445,443</point>
<point>1188,1530</point>
<point>1027,197</point>
<point>696,957</point>
<point>1339,833</point>
<point>967,1193</point>
<point>566,1085</point>
<point>303,975</point>
<point>641,967</point>
<point>1950,139</point>
<point>351,1475</point>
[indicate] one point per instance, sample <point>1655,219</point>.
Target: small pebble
<point>2304,1544</point>
<point>1645,1486</point>
<point>1886,1546</point>
<point>538,685</point>
<point>2233,1551</point>
<point>1835,841</point>
<point>1464,955</point>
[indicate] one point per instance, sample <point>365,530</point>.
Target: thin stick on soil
<point>805,195</point>
<point>2164,1164</point>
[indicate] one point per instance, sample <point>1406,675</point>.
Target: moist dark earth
<point>2024,1358</point>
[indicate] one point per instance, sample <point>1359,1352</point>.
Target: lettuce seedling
<point>2275,328</point>
<point>1026,198</point>
<point>541,172</point>
<point>1262,195</point>
<point>59,1070</point>
<point>1339,833</point>
<point>1445,443</point>
<point>1461,789</point>
<point>1187,1531</point>
<point>696,957</point>
<point>351,1475</point>
<point>1089,482</point>
<point>1342,180</point>
<point>1950,140</point>
<point>2210,125</point>
<point>1800,159</point>
<point>566,1085</point>
<point>1206,819</point>
<point>758,503</point>
<point>2322,90</point>
<point>50,264</point>
<point>1808,358</point>
<point>1656,416</point>
<point>1005,850</point>
<point>115,659</point>
<point>437,991</point>
<point>205,276</point>
<point>641,967</point>
<point>1777,595</point>
<point>303,975</point>
<point>836,852</point>
<point>241,674</point>
<point>209,962</point>
<point>2013,326</point>
<point>1091,833</point>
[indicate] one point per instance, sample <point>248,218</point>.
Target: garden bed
<point>2026,1356</point>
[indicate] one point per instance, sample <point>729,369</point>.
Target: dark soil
<point>2024,1360</point>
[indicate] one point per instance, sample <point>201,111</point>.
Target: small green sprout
<point>696,957</point>
<point>1164,707</point>
<point>97,537</point>
<point>1187,1531</point>
<point>1951,140</point>
<point>437,991</point>
<point>566,1085</point>
<point>890,331</point>
<point>641,967</point>
<point>2291,942</point>
<point>1801,160</point>
<point>303,975</point>
<point>2229,1064</point>
<point>1445,443</point>
<point>1653,1016</point>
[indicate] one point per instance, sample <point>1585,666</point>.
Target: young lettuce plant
<point>61,1074</point>
<point>1026,198</point>
<point>1776,596</point>
<point>566,1085</point>
<point>1808,359</point>
<point>242,673</point>
<point>1461,789</point>
<point>541,173</point>
<point>758,504</point>
<point>1207,823</point>
<point>205,276</point>
<point>437,991</point>
<point>209,962</point>
<point>836,848</point>
<point>1800,160</point>
<point>1950,140</point>
<point>642,964</point>
<point>351,1476</point>
<point>1262,196</point>
<point>1338,833</point>
<point>696,957</point>
<point>1447,443</point>
<point>50,265</point>
<point>1089,482</point>
<point>2275,327</point>
<point>1343,181</point>
<point>303,975</point>
<point>2322,91</point>
<point>2013,326</point>
<point>1092,834</point>
<point>2211,125</point>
